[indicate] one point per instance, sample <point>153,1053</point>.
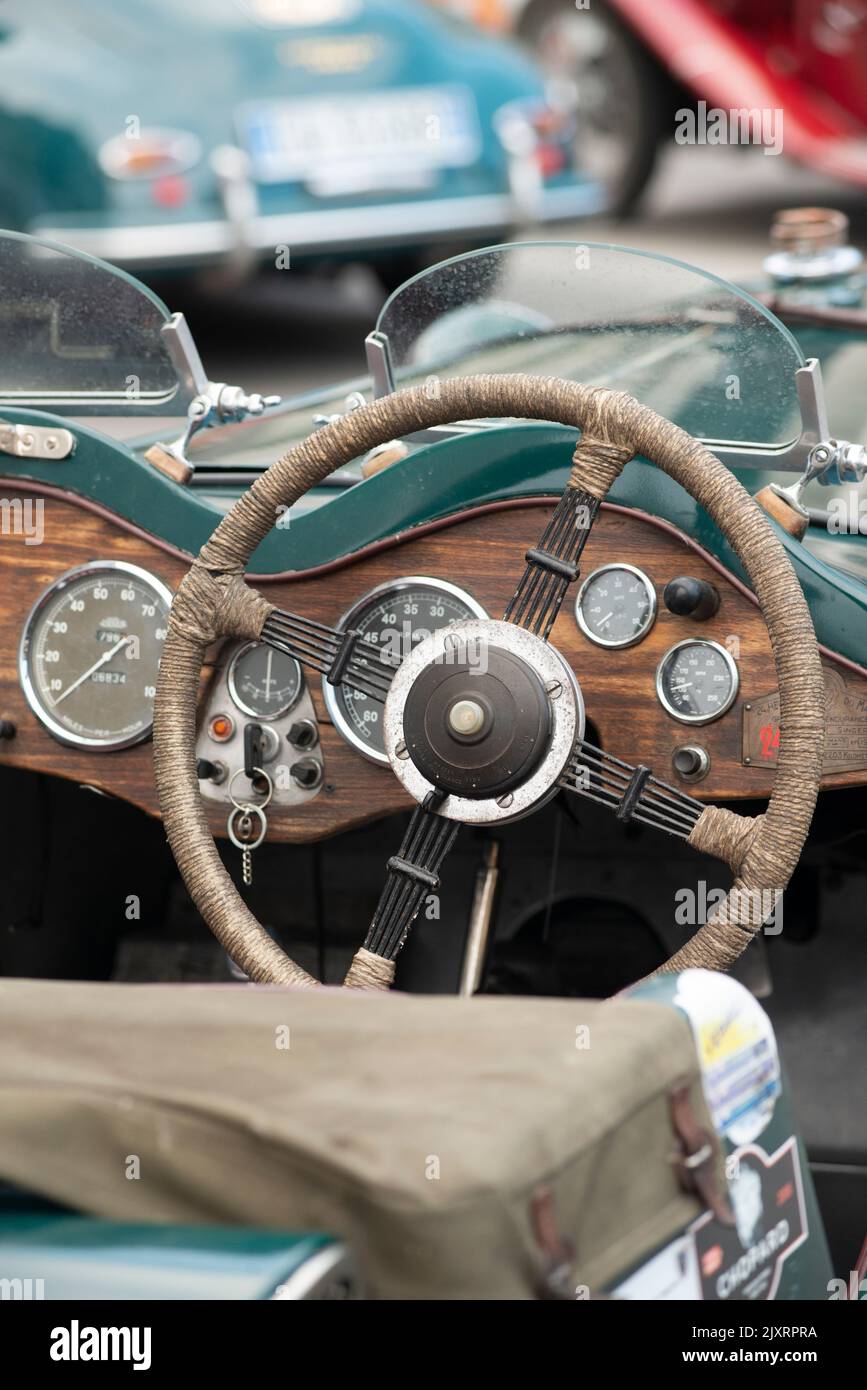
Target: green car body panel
<point>439,480</point>
<point>49,1253</point>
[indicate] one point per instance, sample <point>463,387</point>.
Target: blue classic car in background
<point>170,134</point>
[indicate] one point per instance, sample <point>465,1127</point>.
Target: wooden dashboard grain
<point>483,553</point>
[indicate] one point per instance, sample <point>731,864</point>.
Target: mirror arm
<point>822,458</point>
<point>214,402</point>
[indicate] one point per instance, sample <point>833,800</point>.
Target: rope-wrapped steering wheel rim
<point>214,601</point>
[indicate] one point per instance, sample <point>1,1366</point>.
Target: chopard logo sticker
<point>744,1263</point>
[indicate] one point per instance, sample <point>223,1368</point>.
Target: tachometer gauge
<point>616,606</point>
<point>697,681</point>
<point>396,617</point>
<point>90,653</point>
<point>263,682</point>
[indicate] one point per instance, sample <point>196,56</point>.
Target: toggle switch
<point>208,771</point>
<point>306,773</point>
<point>303,734</point>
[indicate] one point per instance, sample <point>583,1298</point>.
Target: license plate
<point>303,141</point>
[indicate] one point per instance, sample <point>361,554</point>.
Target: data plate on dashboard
<point>846,727</point>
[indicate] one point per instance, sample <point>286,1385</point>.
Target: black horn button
<point>477,732</point>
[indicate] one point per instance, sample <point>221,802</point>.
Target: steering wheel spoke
<point>631,792</point>
<point>344,658</point>
<point>552,565</point>
<point>413,874</point>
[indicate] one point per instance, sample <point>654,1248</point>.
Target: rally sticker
<point>737,1050</point>
<point>744,1262</point>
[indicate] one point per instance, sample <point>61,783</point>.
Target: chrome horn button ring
<point>522,707</point>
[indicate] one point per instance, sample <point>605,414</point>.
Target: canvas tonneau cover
<point>420,1129</point>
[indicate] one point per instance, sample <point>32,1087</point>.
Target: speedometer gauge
<point>697,681</point>
<point>395,617</point>
<point>90,653</point>
<point>616,606</point>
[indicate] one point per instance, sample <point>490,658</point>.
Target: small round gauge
<point>396,617</point>
<point>263,682</point>
<point>90,653</point>
<point>697,681</point>
<point>616,606</point>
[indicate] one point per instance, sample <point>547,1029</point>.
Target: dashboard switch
<point>691,762</point>
<point>689,597</point>
<point>254,749</point>
<point>303,734</point>
<point>307,773</point>
<point>206,771</point>
<point>7,728</point>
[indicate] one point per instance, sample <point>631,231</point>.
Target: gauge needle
<point>106,657</point>
<point>686,685</point>
<point>606,619</point>
<point>268,674</point>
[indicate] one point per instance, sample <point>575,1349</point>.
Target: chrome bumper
<point>327,230</point>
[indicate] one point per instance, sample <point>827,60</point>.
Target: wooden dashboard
<point>481,551</point>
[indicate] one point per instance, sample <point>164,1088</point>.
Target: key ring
<point>256,806</point>
<point>247,810</point>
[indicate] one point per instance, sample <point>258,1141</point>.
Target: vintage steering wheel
<point>484,721</point>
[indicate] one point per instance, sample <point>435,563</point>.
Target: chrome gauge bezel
<point>25,674</point>
<point>233,690</point>
<point>733,671</point>
<point>350,617</point>
<point>651,615</point>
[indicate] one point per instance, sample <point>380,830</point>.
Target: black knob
<point>7,728</point>
<point>207,771</point>
<point>303,734</point>
<point>690,762</point>
<point>691,598</point>
<point>307,772</point>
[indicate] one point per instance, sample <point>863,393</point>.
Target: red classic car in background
<point>635,62</point>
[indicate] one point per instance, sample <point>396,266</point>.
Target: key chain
<point>241,824</point>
